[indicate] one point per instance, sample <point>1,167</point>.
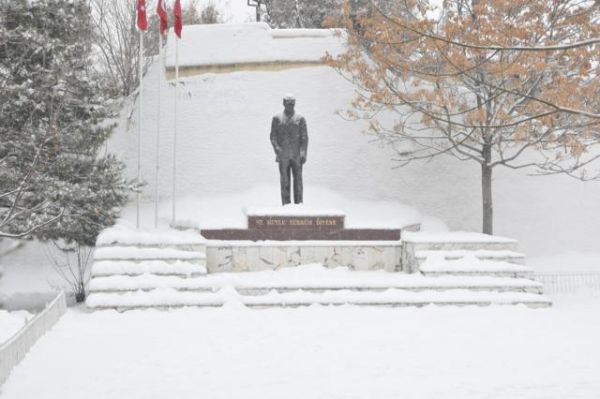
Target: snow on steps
<point>495,269</point>
<point>482,254</point>
<point>125,236</point>
<point>310,284</point>
<point>419,247</point>
<point>156,271</point>
<point>137,254</point>
<point>122,252</point>
<point>255,283</point>
<point>157,267</point>
<point>470,265</point>
<point>168,298</point>
<point>457,240</point>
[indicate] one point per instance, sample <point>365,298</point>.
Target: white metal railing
<point>568,282</point>
<point>15,349</point>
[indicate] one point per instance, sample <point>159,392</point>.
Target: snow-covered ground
<point>11,322</point>
<point>28,270</point>
<point>568,261</point>
<point>318,352</point>
<point>230,210</point>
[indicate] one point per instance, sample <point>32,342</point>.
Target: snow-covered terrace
<point>253,46</point>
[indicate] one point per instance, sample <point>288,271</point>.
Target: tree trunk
<point>80,296</point>
<point>486,195</point>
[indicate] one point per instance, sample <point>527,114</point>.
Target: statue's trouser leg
<point>284,177</point>
<point>297,172</point>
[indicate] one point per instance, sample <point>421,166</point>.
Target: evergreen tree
<point>54,119</point>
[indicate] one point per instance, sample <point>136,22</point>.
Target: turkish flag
<point>163,17</point>
<point>142,21</point>
<point>178,21</point>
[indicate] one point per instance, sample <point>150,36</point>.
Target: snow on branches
<point>510,83</point>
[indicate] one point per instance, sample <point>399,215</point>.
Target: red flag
<point>163,17</point>
<point>142,21</point>
<point>178,22</point>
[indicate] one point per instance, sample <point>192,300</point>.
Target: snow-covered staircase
<point>307,285</point>
<point>123,253</point>
<point>464,255</point>
<point>143,273</point>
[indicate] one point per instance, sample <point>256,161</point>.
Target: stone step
<point>137,254</point>
<point>122,236</point>
<point>157,267</point>
<point>458,241</point>
<point>480,273</point>
<point>167,298</point>
<point>258,286</point>
<point>474,267</point>
<point>499,255</point>
<point>197,247</point>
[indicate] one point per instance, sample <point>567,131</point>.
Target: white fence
<point>564,283</point>
<point>15,349</point>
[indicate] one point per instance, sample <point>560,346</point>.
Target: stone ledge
<point>302,234</point>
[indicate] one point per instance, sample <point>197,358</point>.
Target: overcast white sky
<point>233,11</point>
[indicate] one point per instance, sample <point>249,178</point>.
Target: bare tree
<point>72,263</point>
<point>471,83</point>
<point>118,44</point>
<point>210,15</point>
<point>117,39</point>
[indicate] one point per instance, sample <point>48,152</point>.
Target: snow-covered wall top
<point>223,44</point>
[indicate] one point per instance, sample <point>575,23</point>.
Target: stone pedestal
<point>246,256</point>
<point>289,238</point>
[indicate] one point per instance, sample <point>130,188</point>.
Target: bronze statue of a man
<point>290,141</point>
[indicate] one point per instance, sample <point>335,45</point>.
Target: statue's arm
<point>274,124</point>
<point>303,140</point>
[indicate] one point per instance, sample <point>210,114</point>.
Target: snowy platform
<point>292,210</point>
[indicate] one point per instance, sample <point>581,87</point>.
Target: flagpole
<point>160,74</point>
<point>140,110</point>
<point>175,129</point>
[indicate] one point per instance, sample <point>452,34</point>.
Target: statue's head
<point>289,101</point>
